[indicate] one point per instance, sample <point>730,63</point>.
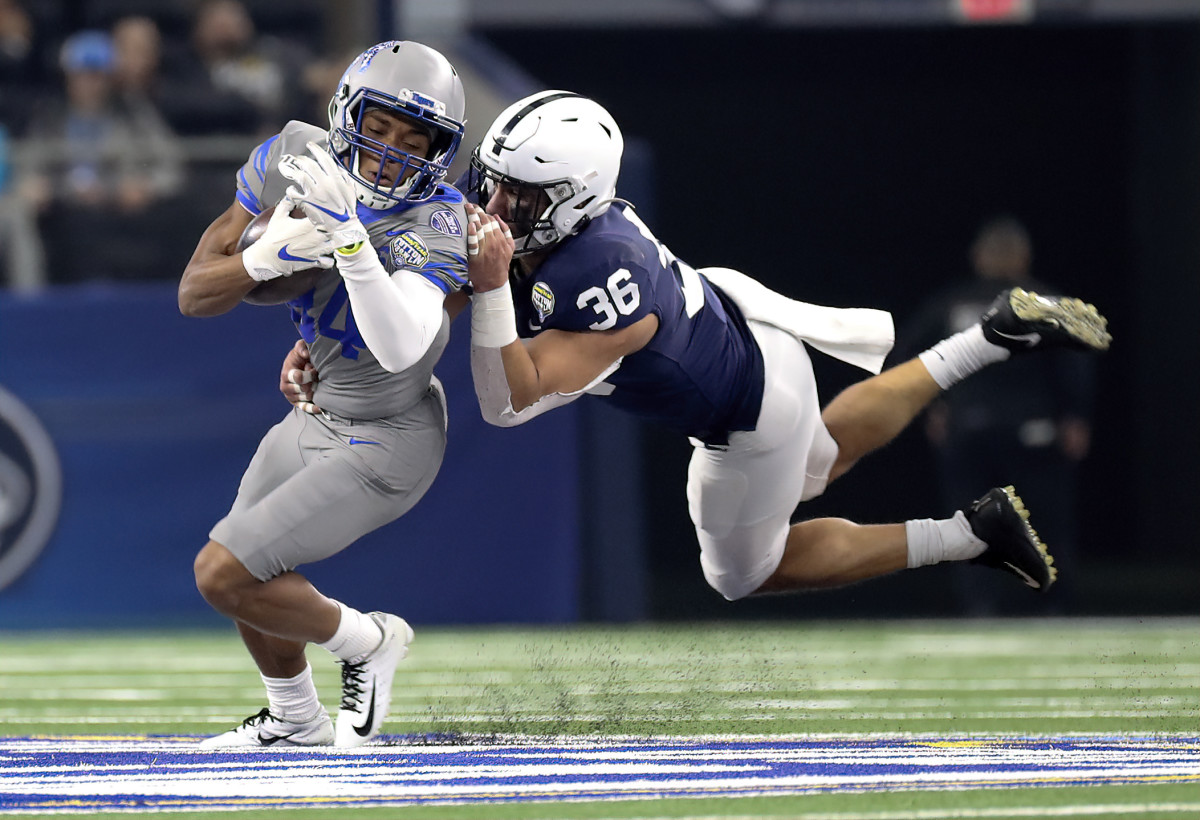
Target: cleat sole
<point>1047,558</point>
<point>1077,318</point>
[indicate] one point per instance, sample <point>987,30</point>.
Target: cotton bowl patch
<point>543,300</point>
<point>409,251</point>
<point>444,221</point>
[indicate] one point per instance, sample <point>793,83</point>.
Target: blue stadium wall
<point>154,417</point>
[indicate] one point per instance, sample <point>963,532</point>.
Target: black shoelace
<point>352,685</point>
<point>257,720</point>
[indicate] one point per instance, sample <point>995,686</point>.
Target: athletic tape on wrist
<point>493,320</point>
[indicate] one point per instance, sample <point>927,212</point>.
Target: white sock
<point>948,539</point>
<point>293,699</point>
<point>356,634</point>
<point>952,360</point>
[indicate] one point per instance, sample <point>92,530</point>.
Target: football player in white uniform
<point>573,294</point>
<point>367,245</point>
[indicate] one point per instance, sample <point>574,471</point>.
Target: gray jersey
<point>422,239</point>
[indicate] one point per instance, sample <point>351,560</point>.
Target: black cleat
<point>1021,320</point>
<point>1000,520</point>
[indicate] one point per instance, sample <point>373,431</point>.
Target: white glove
<point>286,246</point>
<point>325,191</point>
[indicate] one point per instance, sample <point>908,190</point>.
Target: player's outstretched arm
<point>220,273</point>
<point>513,378</point>
<point>215,280</point>
<point>488,371</point>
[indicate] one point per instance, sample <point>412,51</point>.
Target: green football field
<point>1118,700</point>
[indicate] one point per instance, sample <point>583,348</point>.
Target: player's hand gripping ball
<point>281,289</point>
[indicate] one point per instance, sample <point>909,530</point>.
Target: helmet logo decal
<point>409,251</point>
<point>543,300</point>
<point>367,56</point>
<point>444,221</point>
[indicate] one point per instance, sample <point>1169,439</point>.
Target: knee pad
<point>738,563</point>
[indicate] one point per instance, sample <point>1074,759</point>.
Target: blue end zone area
<point>84,775</point>
<point>155,416</point>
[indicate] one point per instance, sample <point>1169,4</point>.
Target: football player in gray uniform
<point>366,244</point>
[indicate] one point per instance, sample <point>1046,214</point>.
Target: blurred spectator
<point>18,64</point>
<point>1024,422</point>
<point>231,80</point>
<point>319,80</point>
<point>137,55</point>
<point>22,262</point>
<point>95,170</point>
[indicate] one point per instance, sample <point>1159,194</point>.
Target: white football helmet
<point>413,81</point>
<point>558,154</point>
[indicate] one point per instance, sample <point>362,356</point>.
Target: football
<point>285,288</point>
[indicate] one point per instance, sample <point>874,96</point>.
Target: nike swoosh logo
<point>340,216</point>
<point>354,440</point>
<point>534,327</point>
<point>283,254</point>
<point>1030,339</point>
<point>271,740</point>
<point>1028,578</point>
<point>365,729</point>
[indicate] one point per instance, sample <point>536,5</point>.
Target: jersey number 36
<point>620,296</point>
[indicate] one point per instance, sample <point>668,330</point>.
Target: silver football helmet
<point>556,155</point>
<point>411,80</point>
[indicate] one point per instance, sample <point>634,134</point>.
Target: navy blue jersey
<point>701,374</point>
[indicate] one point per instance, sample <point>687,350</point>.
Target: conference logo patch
<point>30,488</point>
<point>444,221</point>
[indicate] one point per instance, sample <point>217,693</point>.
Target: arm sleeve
<point>398,315</point>
<point>495,399</point>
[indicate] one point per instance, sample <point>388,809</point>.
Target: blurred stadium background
<point>842,151</point>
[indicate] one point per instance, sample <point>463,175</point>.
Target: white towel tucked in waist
<point>859,336</point>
